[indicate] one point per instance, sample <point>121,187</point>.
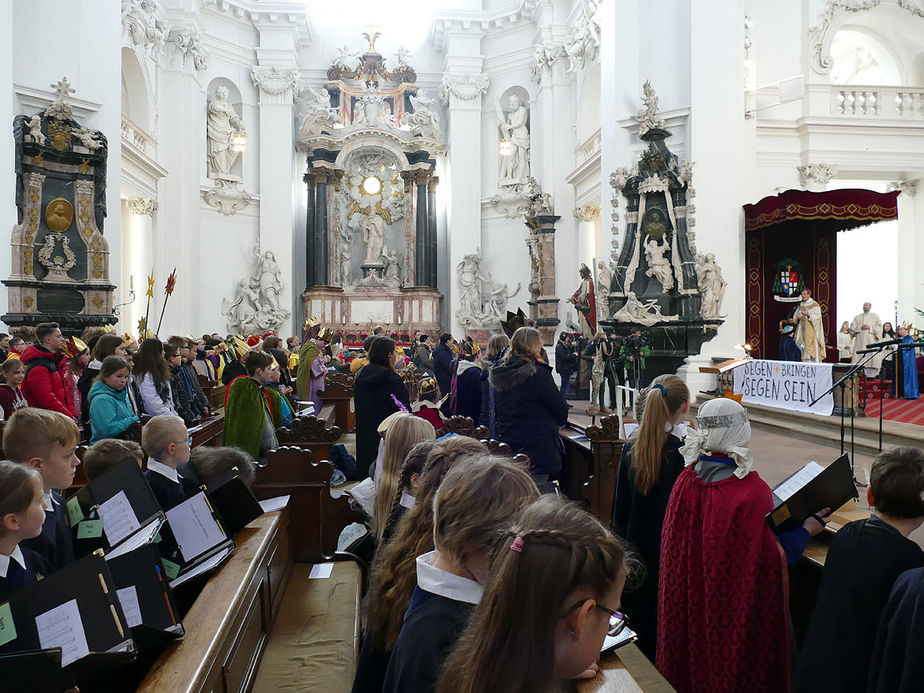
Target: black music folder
<point>123,504</point>
<point>200,539</point>
<point>809,490</point>
<point>146,597</point>
<point>77,611</point>
<point>234,502</point>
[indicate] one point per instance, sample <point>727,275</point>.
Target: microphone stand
<point>842,383</point>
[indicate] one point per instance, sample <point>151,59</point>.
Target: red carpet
<point>904,410</point>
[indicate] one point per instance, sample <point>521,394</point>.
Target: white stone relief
<point>587,213</point>
<point>275,82</point>
<point>425,120</point>
<point>482,301</point>
<point>711,286</point>
<point>815,177</point>
<point>228,196</point>
<point>188,47</point>
<point>57,261</point>
<point>908,187</point>
<point>255,304</point>
<point>88,138</point>
<point>659,264</point>
<point>464,87</point>
<point>648,115</point>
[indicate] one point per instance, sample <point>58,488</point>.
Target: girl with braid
<point>394,569</point>
<point>473,509</point>
<point>550,602</point>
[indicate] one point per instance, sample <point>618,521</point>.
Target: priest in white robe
<point>810,333</point>
<point>866,329</point>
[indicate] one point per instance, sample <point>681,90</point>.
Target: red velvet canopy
<point>841,209</point>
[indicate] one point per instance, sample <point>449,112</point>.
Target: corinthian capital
<point>815,177</point>
<point>276,85</point>
<point>142,206</point>
<point>587,213</point>
<point>464,87</point>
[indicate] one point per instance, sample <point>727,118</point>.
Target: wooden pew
<point>214,391</point>
<point>605,451</point>
<point>464,426</point>
<point>210,431</point>
<point>226,628</point>
<point>291,471</point>
<point>317,434</point>
<point>338,390</point>
<point>626,670</point>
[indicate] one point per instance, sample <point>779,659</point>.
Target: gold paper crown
<point>311,322</point>
<point>325,334</point>
<point>74,346</point>
<point>127,338</point>
<point>108,329</point>
<point>513,322</point>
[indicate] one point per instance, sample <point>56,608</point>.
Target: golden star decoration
<point>150,291</point>
<point>730,395</point>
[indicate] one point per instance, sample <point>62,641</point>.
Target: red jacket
<point>44,383</point>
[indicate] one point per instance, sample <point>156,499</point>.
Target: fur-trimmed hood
<point>507,375</point>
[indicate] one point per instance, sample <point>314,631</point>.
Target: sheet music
<point>271,505</point>
<point>797,481</point>
<point>202,567</point>
<point>364,495</point>
<point>119,519</point>
<point>194,527</point>
<point>128,597</point>
<point>612,642</point>
<point>142,538</point>
<point>62,627</point>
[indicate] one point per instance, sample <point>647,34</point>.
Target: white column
<point>278,87</point>
<point>722,145</point>
<point>137,258</point>
<point>910,251</point>
<point>588,246</point>
<point>462,90</point>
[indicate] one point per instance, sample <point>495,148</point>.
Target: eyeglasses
<point>188,442</point>
<point>618,620</point>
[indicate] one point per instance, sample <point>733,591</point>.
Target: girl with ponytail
<point>648,468</point>
<point>550,602</point>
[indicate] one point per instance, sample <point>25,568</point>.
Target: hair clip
<point>517,545</point>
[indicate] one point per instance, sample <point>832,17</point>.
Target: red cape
<point>724,593</point>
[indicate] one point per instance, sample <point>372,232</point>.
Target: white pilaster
<point>462,90</point>
<point>910,251</point>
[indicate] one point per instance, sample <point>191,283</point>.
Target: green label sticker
<point>170,568</point>
<point>157,538</point>
<point>90,529</point>
<point>7,627</point>
<point>74,512</point>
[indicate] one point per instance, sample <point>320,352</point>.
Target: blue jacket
<point>110,411</point>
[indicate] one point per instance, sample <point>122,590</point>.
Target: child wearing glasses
<point>551,601</point>
<point>167,445</point>
<point>475,505</point>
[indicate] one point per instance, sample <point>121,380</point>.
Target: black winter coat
<point>529,410</point>
<point>442,367</point>
<point>564,358</point>
<point>372,390</point>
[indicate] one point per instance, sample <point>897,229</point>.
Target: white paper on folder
<point>143,537</point>
<point>62,627</point>
<point>194,527</point>
<point>119,519</point>
<point>271,505</point>
<point>797,481</point>
<point>128,598</point>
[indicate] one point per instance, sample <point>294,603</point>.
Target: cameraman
<point>615,372</point>
<point>565,362</point>
<point>633,353</point>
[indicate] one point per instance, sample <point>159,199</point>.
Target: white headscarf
<point>722,426</point>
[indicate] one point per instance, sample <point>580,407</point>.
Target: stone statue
<point>344,55</point>
<point>425,119</point>
<point>344,260</point>
<point>373,109</point>
<point>659,266</point>
<point>88,138</point>
<point>255,304</point>
<point>711,286</point>
<point>585,301</point>
<point>373,229</point>
<point>35,129</point>
<point>223,124</point>
<point>514,169</point>
<point>392,273</point>
<point>404,56</point>
<point>474,285</point>
<point>604,280</point>
<point>146,32</point>
<point>647,314</point>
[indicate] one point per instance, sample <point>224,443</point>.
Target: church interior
<point>656,259</point>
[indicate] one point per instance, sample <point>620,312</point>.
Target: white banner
<point>785,385</point>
